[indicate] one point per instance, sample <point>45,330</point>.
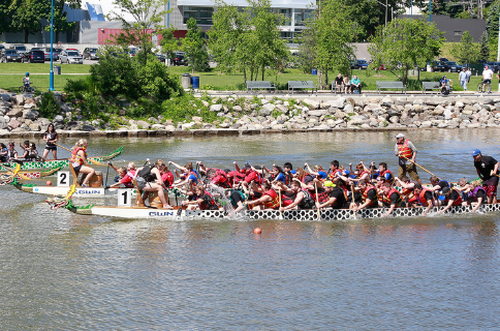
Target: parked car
<point>1,47</point>
<point>21,49</point>
<point>362,64</point>
<point>452,66</point>
<point>495,66</point>
<point>74,49</point>
<point>132,52</point>
<point>90,53</point>
<point>9,55</point>
<point>438,66</point>
<point>161,57</point>
<point>179,59</point>
<point>54,52</point>
<point>34,56</point>
<point>70,56</point>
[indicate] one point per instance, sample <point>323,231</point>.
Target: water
<point>61,271</point>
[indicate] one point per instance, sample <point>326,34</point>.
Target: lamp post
<point>386,5</point>
<point>430,11</point>
<point>51,83</point>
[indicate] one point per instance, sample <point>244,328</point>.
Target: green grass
<point>12,74</point>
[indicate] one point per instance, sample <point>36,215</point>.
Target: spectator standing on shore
<point>463,78</point>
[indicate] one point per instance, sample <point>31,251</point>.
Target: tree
<point>248,41</point>
<point>195,48</point>
<point>6,12</point>
<point>334,35</point>
<point>169,44</point>
<point>466,51</point>
<point>26,16</point>
<point>484,47</point>
<point>147,15</point>
<point>61,23</point>
<point>406,43</point>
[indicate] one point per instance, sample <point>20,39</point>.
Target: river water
<point>60,271</point>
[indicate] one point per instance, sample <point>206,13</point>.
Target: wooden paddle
<point>94,162</point>
<point>415,163</point>
<point>279,195</point>
<point>317,200</point>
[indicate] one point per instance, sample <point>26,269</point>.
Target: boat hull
<point>297,215</point>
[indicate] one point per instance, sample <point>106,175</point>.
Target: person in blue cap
<point>487,169</point>
<point>26,80</point>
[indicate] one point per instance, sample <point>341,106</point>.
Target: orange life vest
<point>387,197</point>
<point>364,195</point>
<point>404,150</point>
<point>457,202</point>
<point>421,198</point>
<point>387,171</point>
<point>275,202</point>
<point>75,158</point>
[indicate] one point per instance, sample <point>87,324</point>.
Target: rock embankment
<point>20,116</point>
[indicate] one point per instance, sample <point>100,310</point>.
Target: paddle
<point>94,162</point>
<point>430,173</point>
<point>279,195</point>
<point>317,200</point>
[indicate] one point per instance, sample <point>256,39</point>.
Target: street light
<point>51,83</point>
<point>386,5</point>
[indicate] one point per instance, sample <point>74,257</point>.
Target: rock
<point>14,124</point>
<point>143,125</point>
<point>30,114</point>
<point>237,108</point>
<point>318,113</point>
<point>447,114</point>
<point>216,108</point>
<point>197,119</point>
<point>488,102</point>
<point>4,123</point>
<point>158,126</point>
<point>439,110</point>
<point>205,103</point>
<point>356,120</point>
<point>459,104</point>
<point>313,104</point>
<point>394,119</point>
<point>5,96</point>
<point>426,124</point>
<point>34,127</point>
<point>58,119</point>
<point>348,108</point>
<point>338,103</point>
<point>15,112</point>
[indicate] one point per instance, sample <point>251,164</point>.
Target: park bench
<point>260,85</point>
<point>302,84</point>
<point>390,85</point>
<point>430,86</point>
<point>335,88</point>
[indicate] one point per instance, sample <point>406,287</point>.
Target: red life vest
<point>75,158</point>
<point>321,197</point>
<point>421,198</point>
<point>208,205</point>
<point>387,171</point>
<point>404,150</point>
<point>457,202</point>
<point>364,194</point>
<point>387,197</point>
<point>221,179</point>
<point>275,202</point>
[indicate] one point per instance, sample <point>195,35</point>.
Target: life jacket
<point>391,177</point>
<point>364,194</point>
<point>473,194</point>
<point>275,202</point>
<point>362,173</point>
<point>421,200</point>
<point>208,205</point>
<point>75,158</point>
<point>288,179</point>
<point>307,202</point>
<point>223,181</point>
<point>457,202</point>
<point>146,173</point>
<point>321,197</point>
<point>195,174</point>
<point>332,175</point>
<point>404,150</point>
<point>388,197</point>
<point>242,196</point>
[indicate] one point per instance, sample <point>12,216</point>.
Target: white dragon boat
<point>298,215</point>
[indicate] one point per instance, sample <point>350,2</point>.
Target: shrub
<point>48,106</point>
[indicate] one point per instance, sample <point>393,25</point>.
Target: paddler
<point>368,194</point>
<point>303,199</point>
<point>393,198</point>
<point>477,195</point>
<point>149,179</point>
<point>452,197</point>
<point>269,198</point>
<point>423,198</point>
<point>79,161</point>
<point>202,200</point>
<point>336,195</point>
<point>406,152</point>
<point>125,175</point>
<point>487,169</point>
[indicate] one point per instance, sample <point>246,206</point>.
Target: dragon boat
<point>297,215</point>
<point>32,174</point>
<point>63,163</point>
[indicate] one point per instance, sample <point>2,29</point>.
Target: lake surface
<point>61,271</point>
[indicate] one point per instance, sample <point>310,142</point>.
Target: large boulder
<point>14,124</point>
<point>216,108</point>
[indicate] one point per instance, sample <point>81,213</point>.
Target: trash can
<point>196,82</point>
<point>57,70</point>
<point>315,72</point>
<point>186,80</point>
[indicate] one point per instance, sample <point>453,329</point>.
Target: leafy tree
<point>195,47</point>
<point>484,47</point>
<point>466,51</point>
<point>61,23</point>
<point>26,16</point>
<point>405,43</point>
<point>147,15</point>
<point>169,44</point>
<point>6,12</point>
<point>333,41</point>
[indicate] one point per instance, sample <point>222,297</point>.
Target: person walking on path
<point>406,152</point>
<point>462,76</point>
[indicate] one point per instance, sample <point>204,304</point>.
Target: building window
<point>457,33</point>
<point>302,15</point>
<point>202,15</point>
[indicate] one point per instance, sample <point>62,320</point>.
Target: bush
<point>185,107</point>
<point>48,106</point>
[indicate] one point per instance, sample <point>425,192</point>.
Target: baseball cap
<point>476,152</point>
<point>293,172</point>
<point>400,135</point>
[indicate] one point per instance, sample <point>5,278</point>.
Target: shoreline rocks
<point>20,116</point>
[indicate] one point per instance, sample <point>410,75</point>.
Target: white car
<point>70,57</point>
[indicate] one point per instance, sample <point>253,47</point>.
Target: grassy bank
<point>12,74</point>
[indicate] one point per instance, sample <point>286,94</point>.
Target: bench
<point>390,85</point>
<point>302,84</point>
<point>430,86</point>
<point>335,88</point>
<point>260,85</point>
